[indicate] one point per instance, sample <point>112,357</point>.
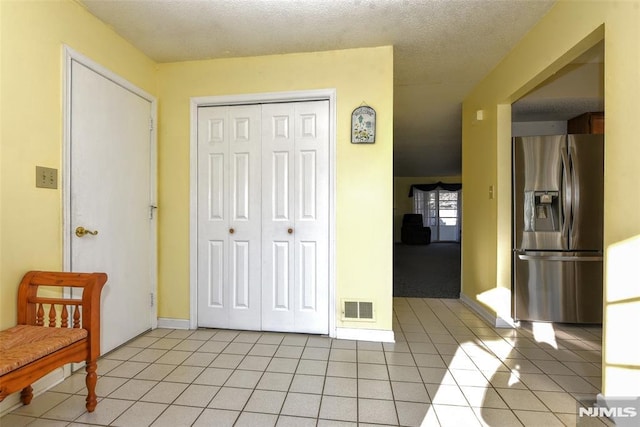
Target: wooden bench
<point>32,349</point>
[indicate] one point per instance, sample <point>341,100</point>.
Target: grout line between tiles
<point>412,320</point>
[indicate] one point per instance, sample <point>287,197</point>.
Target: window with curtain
<point>440,211</point>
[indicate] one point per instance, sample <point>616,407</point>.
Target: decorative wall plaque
<point>363,125</point>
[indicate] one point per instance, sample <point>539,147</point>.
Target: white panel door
<point>229,217</point>
<point>295,218</point>
<point>110,193</point>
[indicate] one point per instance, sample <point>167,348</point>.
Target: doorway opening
<point>429,267</point>
<point>559,106</point>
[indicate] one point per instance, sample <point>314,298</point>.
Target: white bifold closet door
<point>229,217</point>
<point>263,217</point>
<point>295,217</point>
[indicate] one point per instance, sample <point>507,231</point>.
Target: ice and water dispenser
<point>542,211</point>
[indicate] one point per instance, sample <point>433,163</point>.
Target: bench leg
<point>26,395</point>
<point>91,380</point>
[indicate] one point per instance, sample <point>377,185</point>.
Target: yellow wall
<point>403,204</point>
<point>364,172</point>
<point>32,38</point>
<point>567,30</point>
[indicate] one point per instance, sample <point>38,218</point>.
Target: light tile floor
<point>447,368</point>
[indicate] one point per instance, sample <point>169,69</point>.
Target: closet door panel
<point>295,144</point>
<point>278,217</point>
<point>229,217</point>
<point>245,217</point>
<point>311,237</point>
<point>213,197</point>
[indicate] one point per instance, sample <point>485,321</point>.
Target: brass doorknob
<point>290,231</point>
<point>231,231</point>
<point>81,232</point>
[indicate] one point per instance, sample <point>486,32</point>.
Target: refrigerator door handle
<point>559,258</point>
<point>567,186</point>
<point>575,195</point>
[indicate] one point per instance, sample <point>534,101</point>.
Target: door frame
<point>260,98</point>
<point>70,55</point>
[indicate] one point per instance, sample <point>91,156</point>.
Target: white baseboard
<point>12,401</point>
<point>357,334</point>
<point>167,323</point>
<point>495,321</point>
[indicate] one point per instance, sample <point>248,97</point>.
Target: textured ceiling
<point>441,50</point>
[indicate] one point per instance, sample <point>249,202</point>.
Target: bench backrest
<point>77,313</point>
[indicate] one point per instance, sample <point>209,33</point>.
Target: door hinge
<point>151,209</point>
<point>150,123</point>
<point>151,299</point>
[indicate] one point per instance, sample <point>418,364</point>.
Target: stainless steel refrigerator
<point>558,209</point>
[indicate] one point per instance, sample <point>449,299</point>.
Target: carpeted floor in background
<point>426,271</point>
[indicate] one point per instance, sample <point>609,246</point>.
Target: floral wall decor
<point>363,125</point>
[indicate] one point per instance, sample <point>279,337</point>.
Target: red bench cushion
<point>23,344</point>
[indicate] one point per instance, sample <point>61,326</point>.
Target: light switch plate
<point>46,177</point>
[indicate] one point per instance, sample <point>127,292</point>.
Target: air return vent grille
<point>358,310</point>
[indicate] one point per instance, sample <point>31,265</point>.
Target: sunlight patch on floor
<point>448,398</point>
<point>543,332</point>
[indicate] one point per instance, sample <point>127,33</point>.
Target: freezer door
<point>558,287</point>
<point>540,197</point>
<point>586,158</point>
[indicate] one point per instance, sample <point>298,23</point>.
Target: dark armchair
<point>413,232</point>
